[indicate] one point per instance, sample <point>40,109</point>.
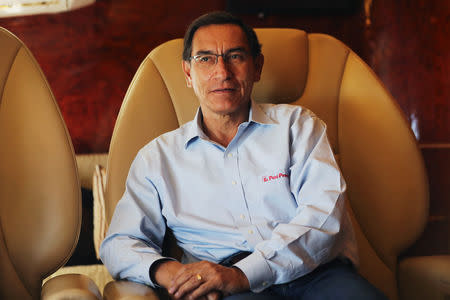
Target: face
<point>224,88</point>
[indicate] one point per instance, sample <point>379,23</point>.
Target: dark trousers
<point>335,280</point>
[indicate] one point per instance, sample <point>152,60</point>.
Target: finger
<point>178,280</point>
<point>214,295</point>
<point>189,279</point>
<point>208,289</point>
<point>188,287</point>
<point>185,274</point>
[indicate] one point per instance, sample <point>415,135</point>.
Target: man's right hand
<point>164,274</point>
<point>201,280</point>
<point>164,271</point>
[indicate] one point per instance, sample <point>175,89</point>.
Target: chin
<point>225,109</point>
<point>228,103</point>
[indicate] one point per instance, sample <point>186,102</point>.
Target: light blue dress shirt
<point>276,191</point>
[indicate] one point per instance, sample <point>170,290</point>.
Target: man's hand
<point>201,280</point>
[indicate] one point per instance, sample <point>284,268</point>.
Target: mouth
<point>224,90</point>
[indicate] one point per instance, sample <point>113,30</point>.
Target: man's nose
<point>222,68</point>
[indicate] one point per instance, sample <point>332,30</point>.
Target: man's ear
<point>259,63</point>
<point>187,72</point>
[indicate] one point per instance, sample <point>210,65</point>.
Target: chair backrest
<point>40,197</point>
<point>371,139</point>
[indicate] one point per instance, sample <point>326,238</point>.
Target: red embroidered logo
<point>273,177</point>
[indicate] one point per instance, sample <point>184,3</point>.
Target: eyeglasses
<point>209,60</point>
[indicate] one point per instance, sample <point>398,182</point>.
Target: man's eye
<point>236,57</point>
<point>205,58</point>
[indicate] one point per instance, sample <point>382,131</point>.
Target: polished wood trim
<point>434,146</point>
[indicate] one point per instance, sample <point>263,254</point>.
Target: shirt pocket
<point>272,196</point>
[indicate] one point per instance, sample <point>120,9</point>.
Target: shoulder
<point>292,114</point>
<point>167,143</point>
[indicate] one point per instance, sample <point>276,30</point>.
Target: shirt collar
<point>195,131</point>
<point>258,115</point>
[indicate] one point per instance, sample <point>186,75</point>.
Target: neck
<point>223,128</point>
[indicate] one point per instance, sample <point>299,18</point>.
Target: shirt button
<point>250,231</point>
<point>233,182</point>
<point>264,283</point>
<point>230,154</point>
<point>242,217</point>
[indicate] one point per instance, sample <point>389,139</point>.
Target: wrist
<point>162,271</point>
<point>244,283</point>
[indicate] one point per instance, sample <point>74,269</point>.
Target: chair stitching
<point>341,78</point>
<point>10,259</point>
<point>7,74</point>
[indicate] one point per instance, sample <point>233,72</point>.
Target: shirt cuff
<point>257,270</point>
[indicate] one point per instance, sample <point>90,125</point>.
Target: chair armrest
<point>70,286</point>
<point>426,277</point>
<point>128,290</point>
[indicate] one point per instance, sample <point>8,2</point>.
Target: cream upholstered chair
<point>40,204</point>
<point>377,152</point>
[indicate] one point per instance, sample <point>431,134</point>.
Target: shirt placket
<point>242,216</point>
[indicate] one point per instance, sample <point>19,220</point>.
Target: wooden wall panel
<point>409,50</point>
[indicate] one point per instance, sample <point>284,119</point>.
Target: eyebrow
<point>236,49</point>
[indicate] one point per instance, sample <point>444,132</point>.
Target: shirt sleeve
<point>135,236</point>
<point>312,236</point>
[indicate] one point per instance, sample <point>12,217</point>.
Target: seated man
<point>251,192</point>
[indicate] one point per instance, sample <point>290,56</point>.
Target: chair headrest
<point>287,51</point>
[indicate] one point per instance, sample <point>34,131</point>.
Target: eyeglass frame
<point>226,59</point>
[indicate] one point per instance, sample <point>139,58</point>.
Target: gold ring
<point>199,277</point>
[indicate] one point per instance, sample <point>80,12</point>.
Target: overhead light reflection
<point>415,125</point>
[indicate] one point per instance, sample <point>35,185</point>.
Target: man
<point>251,192</point>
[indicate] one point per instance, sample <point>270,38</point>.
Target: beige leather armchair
<point>40,212</point>
<point>377,152</point>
